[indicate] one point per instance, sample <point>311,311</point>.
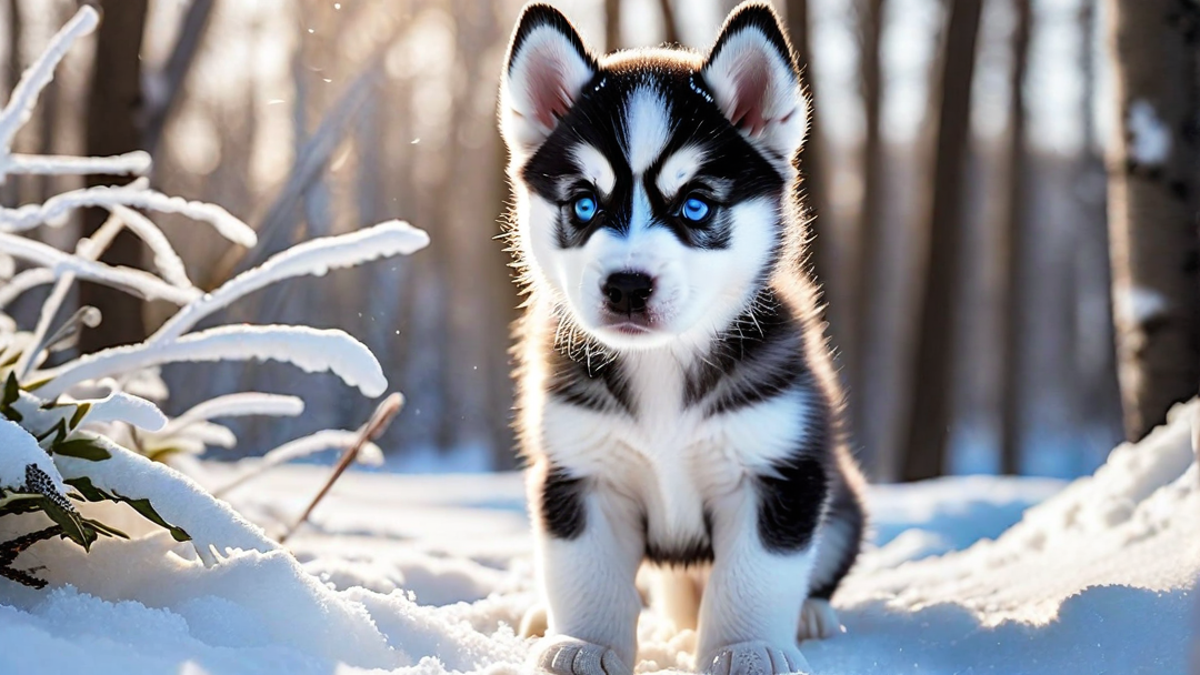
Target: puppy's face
<point>649,184</point>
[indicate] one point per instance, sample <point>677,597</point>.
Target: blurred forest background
<point>957,167</point>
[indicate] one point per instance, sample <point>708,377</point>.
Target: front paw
<point>563,655</point>
<point>754,658</point>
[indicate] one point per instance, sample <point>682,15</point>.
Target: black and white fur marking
<point>677,404</point>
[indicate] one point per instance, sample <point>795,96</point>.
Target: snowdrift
<point>428,574</point>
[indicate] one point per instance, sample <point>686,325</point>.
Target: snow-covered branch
<point>55,210</point>
<point>315,257</point>
<point>135,163</point>
<point>309,349</point>
<point>37,76</point>
<point>136,281</point>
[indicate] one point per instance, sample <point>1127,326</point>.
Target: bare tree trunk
<point>1014,314</point>
<point>811,155</point>
<point>1098,405</point>
<point>174,72</point>
<point>612,25</point>
<point>670,25</point>
<point>114,107</point>
<point>1152,201</point>
<point>868,240</point>
<point>933,367</point>
<point>8,191</point>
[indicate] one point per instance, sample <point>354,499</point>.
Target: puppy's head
<point>650,184</point>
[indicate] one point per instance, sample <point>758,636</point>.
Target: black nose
<point>627,292</point>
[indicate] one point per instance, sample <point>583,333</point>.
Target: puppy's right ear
<point>547,68</point>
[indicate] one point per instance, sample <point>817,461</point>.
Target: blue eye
<point>585,209</point>
<point>695,210</point>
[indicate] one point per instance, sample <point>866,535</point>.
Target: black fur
<point>791,503</point>
<point>588,377</point>
<point>732,171</point>
<point>844,508</point>
<point>760,356</point>
<point>563,511</point>
<point>537,15</point>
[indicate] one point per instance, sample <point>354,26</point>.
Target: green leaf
<point>71,522</point>
<point>59,430</point>
<point>143,506</point>
<point>83,448</point>
<point>12,390</point>
<point>34,386</point>
<point>80,410</point>
<point>106,530</point>
<point>20,502</point>
<point>10,394</point>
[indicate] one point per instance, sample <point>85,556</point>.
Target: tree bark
<point>670,25</point>
<point>868,240</point>
<point>933,366</point>
<point>799,21</point>
<point>1015,265</point>
<point>8,190</point>
<point>114,107</point>
<point>612,25</point>
<point>1152,200</point>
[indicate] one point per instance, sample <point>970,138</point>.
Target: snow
<point>215,528</point>
<point>310,349</point>
<point>136,281</point>
<point>427,574</point>
<point>120,406</point>
<point>314,257</point>
<point>1150,139</point>
<point>55,210</point>
<point>24,96</point>
<point>20,450</point>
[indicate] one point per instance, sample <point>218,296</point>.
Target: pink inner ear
<point>550,98</point>
<point>751,79</point>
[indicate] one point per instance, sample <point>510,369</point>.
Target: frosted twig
<point>310,349</point>
<point>315,257</point>
<point>54,211</point>
<point>37,76</point>
<point>136,162</point>
<point>136,281</point>
<point>166,259</point>
<point>374,427</point>
<point>369,453</point>
<point>14,287</point>
<point>238,405</point>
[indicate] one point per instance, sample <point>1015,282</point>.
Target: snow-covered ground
<point>428,574</point>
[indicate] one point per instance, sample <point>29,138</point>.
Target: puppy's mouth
<point>633,324</point>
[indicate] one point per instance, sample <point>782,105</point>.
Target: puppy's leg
<point>588,555</point>
<point>759,581</point>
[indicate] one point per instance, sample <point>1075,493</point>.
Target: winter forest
<point>255,329</point>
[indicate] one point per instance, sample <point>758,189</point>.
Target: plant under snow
<point>66,431</point>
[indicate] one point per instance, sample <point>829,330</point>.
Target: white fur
<point>749,75</point>
<point>546,66</point>
<point>596,168</point>
<point>647,126</point>
<point>670,464</point>
<point>678,169</point>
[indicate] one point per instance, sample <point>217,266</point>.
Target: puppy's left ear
<point>752,74</point>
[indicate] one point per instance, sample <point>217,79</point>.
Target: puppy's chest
<point>674,460</point>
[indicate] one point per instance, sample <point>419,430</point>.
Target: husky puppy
<point>677,403</point>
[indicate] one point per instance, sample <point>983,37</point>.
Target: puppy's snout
<point>627,292</point>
